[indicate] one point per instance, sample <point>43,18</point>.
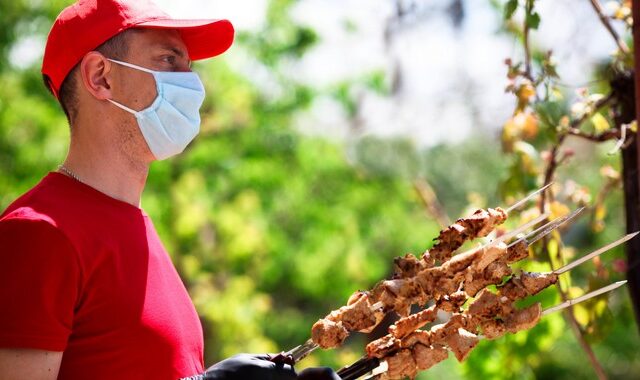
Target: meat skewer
<point>399,294</point>
<point>525,283</point>
<point>464,341</point>
<point>331,331</point>
<point>517,287</point>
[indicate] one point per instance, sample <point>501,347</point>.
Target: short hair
<point>117,47</point>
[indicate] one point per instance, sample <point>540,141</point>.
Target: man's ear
<point>95,71</point>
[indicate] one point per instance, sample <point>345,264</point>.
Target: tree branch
<point>597,106</point>
<point>612,134</point>
<point>607,24</point>
<point>577,331</point>
<point>574,126</point>
<point>431,203</point>
<point>549,174</point>
<point>525,41</point>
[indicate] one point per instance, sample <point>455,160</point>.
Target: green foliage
<point>271,229</point>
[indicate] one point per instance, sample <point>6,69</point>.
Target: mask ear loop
<point>131,65</point>
<point>122,106</point>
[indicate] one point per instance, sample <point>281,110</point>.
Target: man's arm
<point>24,363</point>
<point>39,281</point>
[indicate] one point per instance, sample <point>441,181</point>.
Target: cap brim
<point>204,38</point>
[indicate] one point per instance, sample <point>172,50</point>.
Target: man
<point>86,288</point>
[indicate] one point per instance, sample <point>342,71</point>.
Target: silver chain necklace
<point>68,172</point>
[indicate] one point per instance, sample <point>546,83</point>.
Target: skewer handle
<point>359,368</point>
<point>302,351</point>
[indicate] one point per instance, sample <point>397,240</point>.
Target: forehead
<point>158,38</point>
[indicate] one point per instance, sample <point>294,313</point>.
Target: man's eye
<point>169,59</point>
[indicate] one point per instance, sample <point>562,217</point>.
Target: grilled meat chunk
<point>527,284</point>
<point>523,319</point>
<point>407,325</point>
<point>461,343</point>
<point>479,224</point>
<point>401,365</point>
<point>328,334</point>
<point>382,347</point>
<point>428,356</point>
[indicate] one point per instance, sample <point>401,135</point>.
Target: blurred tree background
<point>272,228</point>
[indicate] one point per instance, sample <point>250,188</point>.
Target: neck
<point>107,169</point>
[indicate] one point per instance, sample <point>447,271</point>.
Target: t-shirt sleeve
<point>39,285</point>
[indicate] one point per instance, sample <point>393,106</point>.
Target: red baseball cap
<point>86,24</point>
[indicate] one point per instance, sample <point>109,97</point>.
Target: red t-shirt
<point>86,274</point>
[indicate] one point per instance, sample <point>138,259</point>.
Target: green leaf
<point>510,8</point>
<point>533,20</point>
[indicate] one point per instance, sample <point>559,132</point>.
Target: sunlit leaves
<point>523,125</point>
<point>551,155</point>
<point>270,229</point>
<point>281,38</point>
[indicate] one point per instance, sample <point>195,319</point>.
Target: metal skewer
<point>595,253</point>
<point>359,368</point>
<point>547,228</point>
<point>525,199</point>
<point>518,230</point>
<point>302,351</point>
<point>585,297</point>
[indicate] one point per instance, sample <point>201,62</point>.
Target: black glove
<point>263,367</point>
<point>320,373</point>
<point>250,366</point>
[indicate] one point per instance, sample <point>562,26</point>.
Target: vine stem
<point>525,41</point>
<point>569,315</point>
<point>574,129</point>
<point>607,24</point>
<point>430,202</point>
<point>577,331</point>
<point>549,174</point>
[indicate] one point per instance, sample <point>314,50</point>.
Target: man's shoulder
<point>41,203</point>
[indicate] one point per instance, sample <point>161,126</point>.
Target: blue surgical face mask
<point>173,119</point>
